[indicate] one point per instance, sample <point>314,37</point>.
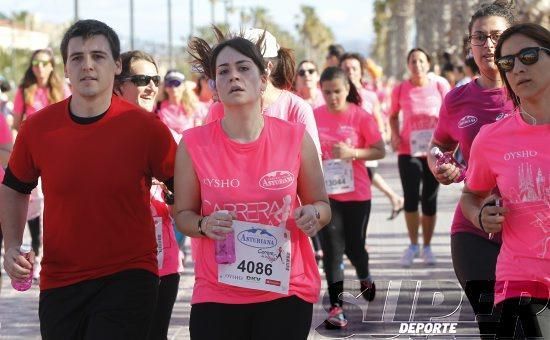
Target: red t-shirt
<point>96,180</point>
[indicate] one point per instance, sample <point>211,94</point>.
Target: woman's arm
<point>311,190</point>
<point>478,208</point>
<point>187,202</point>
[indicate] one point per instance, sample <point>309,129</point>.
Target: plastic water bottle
<point>225,249</point>
<point>447,158</point>
<point>23,285</point>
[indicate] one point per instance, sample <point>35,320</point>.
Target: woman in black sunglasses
<point>513,155</point>
<point>138,83</point>
<point>306,84</point>
<point>464,111</point>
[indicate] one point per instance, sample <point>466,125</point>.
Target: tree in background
<point>315,35</point>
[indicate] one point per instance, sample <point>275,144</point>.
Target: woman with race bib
<point>418,99</point>
<point>237,188</point>
<point>349,136</point>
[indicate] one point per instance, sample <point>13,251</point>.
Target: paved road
<point>433,290</point>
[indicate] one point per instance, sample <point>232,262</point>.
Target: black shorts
<point>118,306</point>
<point>287,318</point>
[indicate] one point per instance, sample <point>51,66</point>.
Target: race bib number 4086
<point>263,258</point>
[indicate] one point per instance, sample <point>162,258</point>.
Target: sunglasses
<point>479,39</point>
<point>303,72</point>
<point>42,63</point>
<point>172,83</point>
<point>527,56</point>
<point>143,80</point>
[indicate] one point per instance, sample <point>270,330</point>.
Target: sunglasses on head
<point>527,56</point>
<point>143,80</point>
<point>303,72</point>
<point>40,62</point>
<point>172,83</point>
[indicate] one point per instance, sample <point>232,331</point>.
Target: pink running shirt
<point>287,107</point>
<point>232,177</point>
<point>167,246</point>
<point>40,101</point>
<point>419,106</point>
<point>514,157</point>
<point>5,138</point>
<point>464,111</point>
<point>369,99</point>
<point>354,125</point>
<point>175,117</point>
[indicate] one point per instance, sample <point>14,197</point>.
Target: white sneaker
<point>408,256</point>
<point>428,256</point>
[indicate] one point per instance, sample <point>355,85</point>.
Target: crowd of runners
<point>266,164</point>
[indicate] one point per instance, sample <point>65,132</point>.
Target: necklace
<point>525,113</point>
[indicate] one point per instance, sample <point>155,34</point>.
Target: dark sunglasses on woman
<point>527,56</point>
<point>143,80</point>
<point>303,72</point>
<point>172,83</point>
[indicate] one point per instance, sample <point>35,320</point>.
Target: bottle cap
<point>25,249</point>
<point>435,151</point>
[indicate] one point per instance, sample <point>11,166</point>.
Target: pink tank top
<point>167,246</point>
<point>254,180</point>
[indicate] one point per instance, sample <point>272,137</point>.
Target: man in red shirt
<point>96,155</point>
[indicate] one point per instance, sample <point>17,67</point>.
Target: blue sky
<point>350,20</point>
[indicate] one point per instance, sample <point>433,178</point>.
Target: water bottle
<point>447,158</point>
<point>225,249</point>
<point>23,285</point>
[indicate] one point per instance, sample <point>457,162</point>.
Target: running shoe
<point>408,256</point>
<point>428,256</point>
<point>368,289</point>
<point>336,318</point>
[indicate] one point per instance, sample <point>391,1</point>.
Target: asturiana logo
<point>467,121</point>
<point>277,180</point>
<point>257,238</point>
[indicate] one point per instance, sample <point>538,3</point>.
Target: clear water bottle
<point>225,249</point>
<point>447,158</point>
<point>23,285</point>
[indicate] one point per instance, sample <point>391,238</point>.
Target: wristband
<point>199,225</point>
<point>479,216</point>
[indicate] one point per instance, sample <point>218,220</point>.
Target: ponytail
<point>284,64</point>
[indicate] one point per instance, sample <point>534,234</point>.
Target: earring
<point>212,84</point>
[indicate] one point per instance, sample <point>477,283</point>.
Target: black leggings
<point>168,291</point>
<point>413,171</point>
<point>34,228</point>
<point>520,319</point>
<point>345,233</point>
<point>285,318</point>
<point>474,262</point>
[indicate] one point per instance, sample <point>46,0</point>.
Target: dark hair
<point>532,31</point>
<point>28,83</point>
<point>336,50</point>
<point>356,56</point>
<point>87,29</point>
<point>284,65</point>
<point>499,8</point>
<point>418,49</point>
<point>471,63</point>
<point>331,73</point>
<point>204,56</point>
<point>4,85</point>
<point>127,59</point>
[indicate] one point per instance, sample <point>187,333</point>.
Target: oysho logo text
<point>519,154</point>
<point>467,121</point>
<point>277,180</point>
<point>221,183</point>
